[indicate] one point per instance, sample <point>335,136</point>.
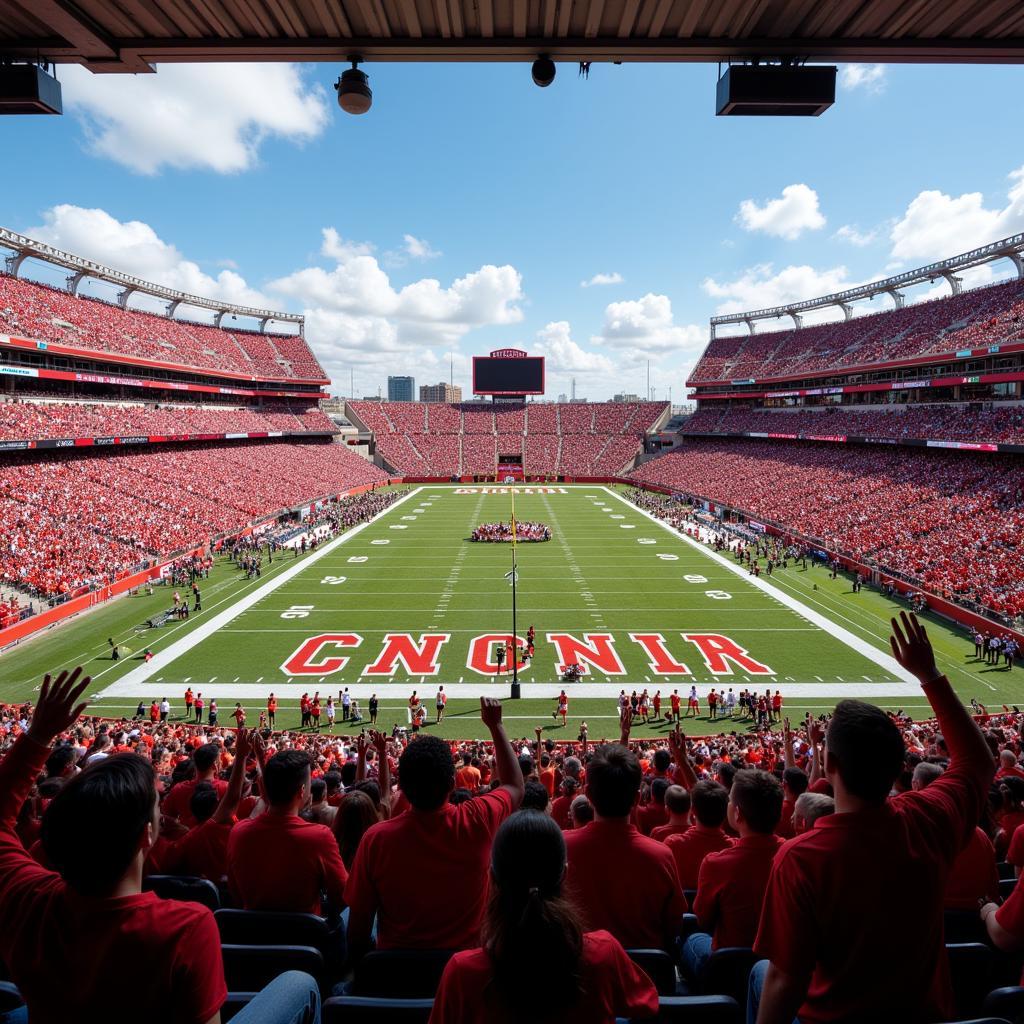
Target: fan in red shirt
<point>654,813</point>
<point>710,805</point>
<point>829,941</point>
<point>675,705</point>
<point>277,861</point>
<point>203,850</point>
<point>610,849</point>
<point>677,803</point>
<point>423,874</point>
<point>536,963</point>
<point>177,803</point>
<point>731,883</point>
<point>92,918</point>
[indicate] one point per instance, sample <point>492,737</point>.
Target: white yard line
<point>132,682</point>
<point>862,647</point>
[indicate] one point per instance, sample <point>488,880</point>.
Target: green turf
<point>594,576</point>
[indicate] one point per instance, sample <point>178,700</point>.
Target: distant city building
<point>440,393</point>
<point>627,397</point>
<point>401,389</point>
<point>333,404</point>
<point>563,398</point>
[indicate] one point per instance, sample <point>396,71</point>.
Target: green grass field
<point>610,573</point>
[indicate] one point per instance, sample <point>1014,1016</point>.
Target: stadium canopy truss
<point>28,248</point>
<point>1011,248</point>
<point>134,35</point>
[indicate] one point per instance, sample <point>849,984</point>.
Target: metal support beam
<point>750,326</point>
<point>124,296</point>
<point>954,282</point>
<point>798,321</point>
<point>1018,263</point>
<point>172,307</point>
<point>14,263</point>
<point>219,318</point>
<point>263,324</point>
<point>847,310</point>
<point>75,280</point>
<point>897,297</point>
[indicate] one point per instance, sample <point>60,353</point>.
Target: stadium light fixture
<point>354,95</point>
<point>543,71</point>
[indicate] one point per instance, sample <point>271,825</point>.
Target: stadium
<point>497,707</point>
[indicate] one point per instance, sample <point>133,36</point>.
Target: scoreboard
<point>508,371</point>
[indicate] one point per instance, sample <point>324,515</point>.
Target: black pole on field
<point>515,636</point>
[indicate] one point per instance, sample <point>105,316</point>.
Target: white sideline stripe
<point>386,687</point>
<point>885,661</point>
<point>132,682</point>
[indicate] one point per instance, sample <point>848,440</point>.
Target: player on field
<point>562,708</point>
<point>674,700</point>
<point>656,704</point>
<point>239,715</point>
<point>439,702</point>
<point>189,699</point>
<point>331,711</point>
<point>693,703</point>
<point>272,711</point>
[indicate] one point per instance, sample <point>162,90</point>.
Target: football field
<point>407,602</point>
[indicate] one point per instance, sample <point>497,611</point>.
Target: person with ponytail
<point>536,962</point>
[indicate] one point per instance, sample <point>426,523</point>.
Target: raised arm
<point>684,775</point>
<point>360,757</point>
<point>816,737</point>
<point>787,744</point>
<point>229,801</point>
<point>506,764</point>
<point>380,744</point>
<point>625,725</point>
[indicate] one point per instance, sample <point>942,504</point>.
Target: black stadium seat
<point>251,968</point>
<point>970,968</point>
<point>1006,887</point>
<point>277,928</point>
<point>363,1010</point>
<point>963,926</point>
<point>727,973</point>
<point>698,1010</point>
<point>659,967</point>
<point>1005,869</point>
<point>10,997</point>
<point>1007,1003</point>
<point>399,973</point>
<point>183,887</point>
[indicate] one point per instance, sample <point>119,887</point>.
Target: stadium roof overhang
<point>26,248</point>
<point>133,35</point>
<point>1011,248</point>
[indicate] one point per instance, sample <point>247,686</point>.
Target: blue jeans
<point>291,998</point>
<point>754,989</point>
<point>696,952</point>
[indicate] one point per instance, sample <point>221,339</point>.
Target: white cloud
<point>647,326</point>
<point>788,217</point>
<point>852,234</point>
<point>564,355</point>
<point>135,248</point>
<point>759,287</point>
<point>602,279</point>
<point>209,116</point>
<point>419,248</point>
<point>936,225</point>
<point>869,77</point>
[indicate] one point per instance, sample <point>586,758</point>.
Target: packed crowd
<point>951,522</point>
<point>42,313</point>
<point>973,319</point>
<point>935,422</point>
<point>524,530</point>
<point>77,521</point>
<point>535,866</point>
<point>582,439</point>
<point>43,419</point>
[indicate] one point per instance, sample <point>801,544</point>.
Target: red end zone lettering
<point>302,662</point>
<point>717,651</point>
<point>660,661</point>
<point>597,649</point>
<point>482,658</point>
<point>417,659</point>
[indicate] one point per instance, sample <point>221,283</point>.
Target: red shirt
<point>67,953</point>
<point>829,911</point>
<point>424,874</point>
<point>662,832</point>
<point>177,803</point>
<point>690,849</point>
<point>973,875</point>
<point>625,883</point>
<point>785,825</point>
<point>560,811</point>
<point>613,986</point>
<point>1011,914</point>
<point>675,701</point>
<point>202,851</point>
<point>650,816</point>
<point>730,889</point>
<point>280,862</point>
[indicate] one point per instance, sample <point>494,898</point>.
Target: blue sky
<point>464,211</point>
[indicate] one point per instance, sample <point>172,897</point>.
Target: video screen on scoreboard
<point>497,376</point>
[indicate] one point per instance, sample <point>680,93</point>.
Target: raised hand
<point>912,648</point>
<point>677,745</point>
<point>816,731</point>
<point>58,707</point>
<point>245,743</point>
<point>490,712</point>
<point>380,742</point>
<point>361,745</point>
